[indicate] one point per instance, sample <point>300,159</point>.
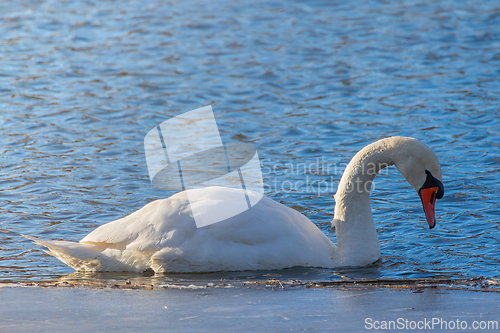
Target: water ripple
<point>82,82</point>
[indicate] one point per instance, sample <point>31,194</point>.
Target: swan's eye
<point>431,182</point>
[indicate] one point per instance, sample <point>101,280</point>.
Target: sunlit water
<point>307,82</point>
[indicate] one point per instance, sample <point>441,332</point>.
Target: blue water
<point>306,82</point>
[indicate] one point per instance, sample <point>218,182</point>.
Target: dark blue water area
<point>308,83</point>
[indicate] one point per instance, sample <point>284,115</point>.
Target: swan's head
<point>420,167</point>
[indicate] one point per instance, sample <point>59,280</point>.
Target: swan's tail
<point>80,256</point>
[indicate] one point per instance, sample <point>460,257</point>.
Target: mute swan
<point>163,235</point>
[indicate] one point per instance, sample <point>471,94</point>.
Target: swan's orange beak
<point>428,197</point>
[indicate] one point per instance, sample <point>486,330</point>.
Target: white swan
<point>163,235</point>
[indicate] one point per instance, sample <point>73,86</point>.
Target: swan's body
<point>163,234</point>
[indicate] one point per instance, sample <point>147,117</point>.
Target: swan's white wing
<point>149,226</point>
<point>267,236</point>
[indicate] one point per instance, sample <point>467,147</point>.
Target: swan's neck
<point>357,240</point>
